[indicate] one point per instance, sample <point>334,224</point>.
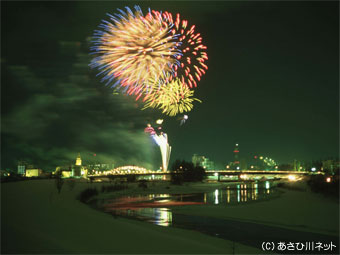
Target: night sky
<point>272,86</point>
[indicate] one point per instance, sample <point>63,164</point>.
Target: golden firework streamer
<point>172,98</point>
<point>134,50</point>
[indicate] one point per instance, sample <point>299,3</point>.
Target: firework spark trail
<point>165,148</point>
<point>132,49</point>
<point>162,141</point>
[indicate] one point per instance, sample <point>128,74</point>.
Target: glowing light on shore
<point>292,177</point>
<point>216,197</point>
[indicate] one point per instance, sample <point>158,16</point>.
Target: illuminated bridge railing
<point>126,170</point>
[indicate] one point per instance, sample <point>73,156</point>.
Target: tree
<point>285,167</point>
<point>131,178</point>
<point>182,171</point>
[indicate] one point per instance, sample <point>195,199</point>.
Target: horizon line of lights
<point>127,170</point>
<point>256,171</point>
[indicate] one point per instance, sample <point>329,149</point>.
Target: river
<point>158,209</point>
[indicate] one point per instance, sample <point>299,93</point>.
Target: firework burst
<point>172,98</point>
<point>190,64</point>
<point>132,50</point>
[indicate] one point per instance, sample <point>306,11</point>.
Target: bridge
<point>254,172</point>
<point>221,175</point>
<point>125,171</point>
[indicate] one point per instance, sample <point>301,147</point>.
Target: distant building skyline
<point>203,161</point>
<point>256,162</point>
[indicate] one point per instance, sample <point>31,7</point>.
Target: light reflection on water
<point>156,208</point>
<point>216,197</point>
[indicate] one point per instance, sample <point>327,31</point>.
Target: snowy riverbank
<point>36,219</point>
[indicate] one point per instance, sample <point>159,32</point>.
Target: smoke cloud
<point>51,115</point>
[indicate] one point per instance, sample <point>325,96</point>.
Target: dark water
<point>156,208</point>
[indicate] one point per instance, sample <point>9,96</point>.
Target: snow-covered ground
<point>36,219</point>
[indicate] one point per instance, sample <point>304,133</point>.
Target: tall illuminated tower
<point>236,159</point>
<point>78,160</point>
<point>76,169</point>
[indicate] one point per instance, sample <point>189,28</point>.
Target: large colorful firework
<point>154,56</point>
<point>191,62</point>
<point>192,65</point>
<point>172,98</point>
<point>131,49</point>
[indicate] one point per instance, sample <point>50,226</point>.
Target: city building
<point>235,165</point>
<point>197,160</point>
<point>203,162</point>
<point>33,172</point>
<point>207,164</point>
<point>5,173</point>
<point>330,166</point>
<point>78,170</point>
<point>22,167</point>
<point>66,171</point>
<point>297,165</point>
<point>77,167</point>
<point>243,164</point>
